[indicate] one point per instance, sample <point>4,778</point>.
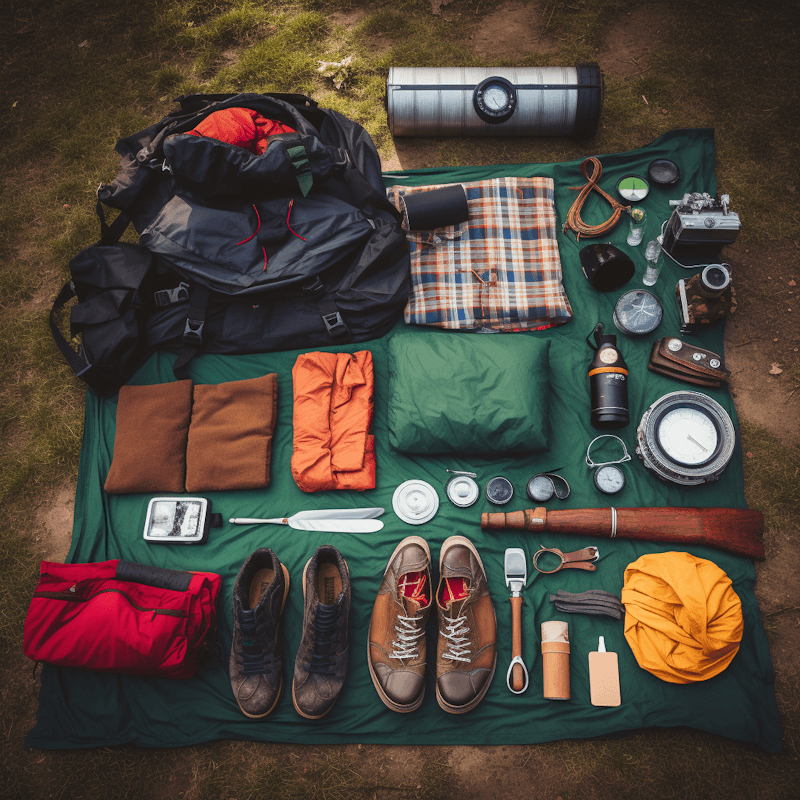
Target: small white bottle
<point>655,261</point>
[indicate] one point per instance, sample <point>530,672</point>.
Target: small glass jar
<point>636,230</point>
<point>655,260</point>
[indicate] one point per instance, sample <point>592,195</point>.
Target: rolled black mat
<point>436,208</point>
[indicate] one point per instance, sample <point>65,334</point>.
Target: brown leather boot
<point>467,648</point>
<point>396,644</point>
<point>321,663</point>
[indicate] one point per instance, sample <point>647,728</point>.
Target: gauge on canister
<point>609,479</point>
<point>495,100</point>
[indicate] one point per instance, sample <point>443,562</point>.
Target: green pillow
<point>469,393</point>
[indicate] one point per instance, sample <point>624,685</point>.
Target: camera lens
<point>715,279</point>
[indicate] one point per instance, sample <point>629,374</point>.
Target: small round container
<point>637,312</point>
<point>499,490</point>
<point>663,172</point>
<point>462,491</point>
<point>415,502</point>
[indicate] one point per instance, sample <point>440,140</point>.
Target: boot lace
<point>255,659</point>
<point>458,642</point>
<point>409,631</point>
<point>325,627</point>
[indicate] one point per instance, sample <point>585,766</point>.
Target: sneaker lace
<point>459,643</point>
<point>325,627</point>
<point>255,660</point>
<point>409,631</point>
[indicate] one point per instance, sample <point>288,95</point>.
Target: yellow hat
<point>683,620</point>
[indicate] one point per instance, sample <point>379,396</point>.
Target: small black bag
<point>111,281</point>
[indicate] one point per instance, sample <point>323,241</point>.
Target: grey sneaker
<point>321,663</point>
<point>256,662</point>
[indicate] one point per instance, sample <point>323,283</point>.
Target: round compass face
<point>609,479</point>
<point>495,100</point>
<point>633,188</point>
<point>637,312</point>
<point>688,435</point>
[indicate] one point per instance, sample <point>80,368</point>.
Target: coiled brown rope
<point>574,221</point>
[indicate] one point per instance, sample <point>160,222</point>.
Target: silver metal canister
<point>494,101</point>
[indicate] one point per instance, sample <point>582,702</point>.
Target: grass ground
<point>78,74</point>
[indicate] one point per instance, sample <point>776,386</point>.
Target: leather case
<point>687,362</point>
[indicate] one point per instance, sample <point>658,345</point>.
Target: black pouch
<point>110,282</point>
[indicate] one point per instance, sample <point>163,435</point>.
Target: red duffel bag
<point>118,616</point>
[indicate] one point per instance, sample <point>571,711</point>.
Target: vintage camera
<point>699,227</point>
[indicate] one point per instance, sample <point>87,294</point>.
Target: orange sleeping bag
<point>241,127</point>
<point>333,408</point>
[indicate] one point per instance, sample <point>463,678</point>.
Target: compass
<point>686,438</point>
<point>638,312</point>
<point>495,100</point>
<point>633,188</point>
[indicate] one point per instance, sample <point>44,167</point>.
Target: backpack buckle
<point>193,331</point>
<point>335,324</point>
<point>168,297</point>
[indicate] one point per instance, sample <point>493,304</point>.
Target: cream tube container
<point>555,660</point>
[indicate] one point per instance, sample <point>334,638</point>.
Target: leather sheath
<point>594,601</point>
<point>687,362</point>
<point>578,559</point>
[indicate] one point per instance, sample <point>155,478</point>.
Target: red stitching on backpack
<point>244,241</point>
<point>291,203</point>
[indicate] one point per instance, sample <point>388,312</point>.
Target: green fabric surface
<point>82,709</point>
<point>479,394</point>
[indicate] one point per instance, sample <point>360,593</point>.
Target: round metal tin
<point>415,502</point>
<point>462,491</point>
<point>637,312</point>
<point>664,172</point>
<point>499,490</point>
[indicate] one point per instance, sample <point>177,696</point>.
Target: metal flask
<point>494,101</point>
<point>608,381</point>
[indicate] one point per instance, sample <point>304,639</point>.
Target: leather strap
<point>578,559</point>
<point>594,601</point>
<point>687,362</point>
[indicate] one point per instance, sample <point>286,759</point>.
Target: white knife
<point>329,525</point>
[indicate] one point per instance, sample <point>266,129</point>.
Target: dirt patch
<point>53,524</point>
<point>764,337</point>
<point>631,41</point>
<point>513,30</point>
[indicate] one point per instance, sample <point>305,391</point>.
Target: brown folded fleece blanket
<point>230,435</point>
<point>150,440</point>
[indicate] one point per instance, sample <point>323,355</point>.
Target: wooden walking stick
<point>736,530</point>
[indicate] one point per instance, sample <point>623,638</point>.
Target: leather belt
<point>595,601</point>
<point>578,559</point>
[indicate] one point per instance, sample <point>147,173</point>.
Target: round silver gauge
<point>495,97</point>
<point>686,438</point>
<point>638,312</point>
<point>609,479</point>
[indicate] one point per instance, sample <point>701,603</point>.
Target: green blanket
<point>82,709</point>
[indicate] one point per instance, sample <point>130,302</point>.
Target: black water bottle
<point>608,380</point>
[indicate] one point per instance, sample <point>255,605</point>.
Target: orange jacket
<point>333,408</point>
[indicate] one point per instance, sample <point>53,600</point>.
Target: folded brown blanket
<point>150,440</point>
<point>230,436</point>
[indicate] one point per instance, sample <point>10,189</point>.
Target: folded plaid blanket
<point>500,270</point>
